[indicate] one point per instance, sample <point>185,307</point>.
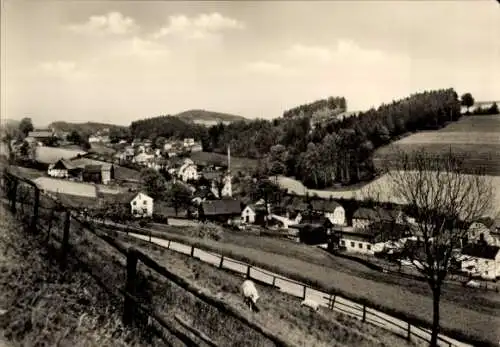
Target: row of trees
<point>331,103</point>
<point>335,151</point>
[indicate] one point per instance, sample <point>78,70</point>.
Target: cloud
<point>143,48</point>
<point>299,51</point>
<point>266,67</point>
<point>62,69</point>
<point>113,23</point>
<point>200,27</point>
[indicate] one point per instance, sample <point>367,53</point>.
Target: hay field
<point>475,138</point>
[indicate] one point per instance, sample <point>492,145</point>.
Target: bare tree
<point>442,199</point>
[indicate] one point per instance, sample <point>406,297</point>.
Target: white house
<point>482,260</point>
<point>253,213</point>
<point>143,158</point>
<point>188,142</point>
<point>188,171</point>
<point>61,169</point>
<point>480,232</point>
<point>331,210</point>
<point>141,205</point>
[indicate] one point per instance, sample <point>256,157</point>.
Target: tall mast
<point>228,159</point>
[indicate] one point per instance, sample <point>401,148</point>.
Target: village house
<point>140,204</point>
<point>363,217</point>
<point>255,213</point>
<point>374,237</point>
<point>98,139</point>
<point>143,158</point>
<point>481,232</point>
<point>188,142</point>
<point>331,210</point>
<point>188,171</point>
<point>226,211</point>
<point>313,233</point>
<point>64,169</point>
<point>40,135</point>
<point>480,259</point>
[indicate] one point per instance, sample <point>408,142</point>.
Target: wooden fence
<point>332,301</point>
<point>25,204</point>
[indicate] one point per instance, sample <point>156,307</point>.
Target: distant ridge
<point>86,128</point>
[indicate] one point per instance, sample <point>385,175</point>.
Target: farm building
<point>481,260</point>
<point>331,209</point>
<point>224,211</point>
<point>41,135</point>
<point>95,170</point>
<point>368,239</point>
<point>363,217</point>
<point>63,169</point>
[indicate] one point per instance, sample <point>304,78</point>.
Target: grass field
<point>476,138</point>
<point>462,309</point>
<point>237,164</point>
<point>279,312</point>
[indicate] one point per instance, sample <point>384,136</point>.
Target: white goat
<point>310,303</point>
<point>250,295</point>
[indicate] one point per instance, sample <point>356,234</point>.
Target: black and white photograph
<point>249,173</point>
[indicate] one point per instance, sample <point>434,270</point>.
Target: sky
<point>116,62</point>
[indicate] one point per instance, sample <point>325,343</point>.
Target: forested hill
<point>329,107</point>
<point>340,150</point>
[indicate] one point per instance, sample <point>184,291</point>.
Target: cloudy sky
<point>117,61</point>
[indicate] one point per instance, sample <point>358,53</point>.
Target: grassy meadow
<point>237,163</point>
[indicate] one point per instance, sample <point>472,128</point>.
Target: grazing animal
<point>310,303</point>
<point>250,295</point>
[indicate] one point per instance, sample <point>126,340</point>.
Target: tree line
<point>335,151</point>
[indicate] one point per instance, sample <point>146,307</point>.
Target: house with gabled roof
<point>481,259</point>
<point>63,168</point>
<point>140,204</point>
<point>330,209</point>
<point>224,211</point>
<point>363,216</point>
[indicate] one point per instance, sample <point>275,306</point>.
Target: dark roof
<point>381,231</point>
<point>63,163</point>
<point>375,214</point>
<point>480,250</point>
<point>221,207</point>
<point>324,205</point>
<point>126,198</point>
<point>92,168</point>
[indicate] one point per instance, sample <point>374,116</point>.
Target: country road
<point>296,289</point>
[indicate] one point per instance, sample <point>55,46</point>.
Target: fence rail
<point>362,311</point>
<point>11,184</point>
<point>32,209</point>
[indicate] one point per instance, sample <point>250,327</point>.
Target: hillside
<point>475,138</point>
<point>208,117</point>
<point>319,109</point>
<point>85,128</point>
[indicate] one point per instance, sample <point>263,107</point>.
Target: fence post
<point>408,332</point>
<point>192,251</point>
<point>333,301</point>
<point>274,281</point>
<point>248,271</point>
<point>364,313</point>
<point>13,195</point>
<point>65,241</point>
<point>149,236</point>
<point>168,247</point>
<point>36,205</point>
<point>221,262</point>
<point>128,304</point>
<point>304,293</point>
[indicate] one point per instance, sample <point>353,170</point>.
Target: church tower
<point>227,191</point>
